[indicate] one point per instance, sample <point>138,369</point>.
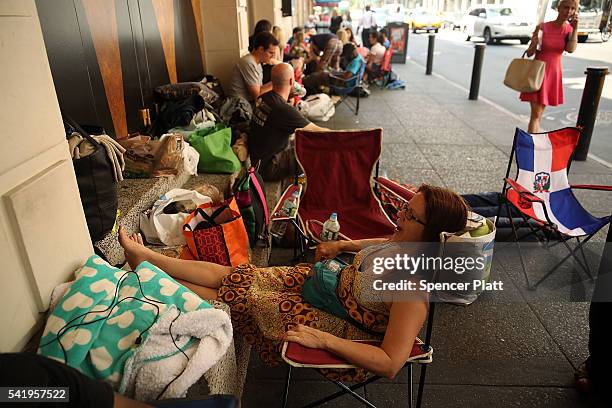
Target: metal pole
<point>588,109</point>
<point>479,50</point>
<point>430,54</point>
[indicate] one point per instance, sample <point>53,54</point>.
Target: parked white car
<point>495,23</point>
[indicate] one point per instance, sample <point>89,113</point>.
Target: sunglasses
<point>409,214</point>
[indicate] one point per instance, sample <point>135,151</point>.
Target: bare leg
<point>202,291</point>
<point>537,109</point>
<point>198,272</point>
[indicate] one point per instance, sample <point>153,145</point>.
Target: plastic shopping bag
<point>191,157</point>
<point>214,146</point>
<point>163,223</point>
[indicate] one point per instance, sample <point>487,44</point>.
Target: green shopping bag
<point>214,146</point>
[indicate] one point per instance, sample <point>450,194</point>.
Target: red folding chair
<point>384,73</point>
<point>297,356</point>
<point>338,166</point>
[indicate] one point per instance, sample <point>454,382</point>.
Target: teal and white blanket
<point>115,325</point>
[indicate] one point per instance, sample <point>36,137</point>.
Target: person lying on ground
<point>274,122</point>
<point>247,77</point>
<point>268,307</point>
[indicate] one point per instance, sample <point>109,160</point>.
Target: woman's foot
<point>133,248</point>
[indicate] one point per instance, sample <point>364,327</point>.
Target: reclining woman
<point>267,305</point>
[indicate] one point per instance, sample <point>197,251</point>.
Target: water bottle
<point>331,228</point>
<point>290,204</point>
<point>299,90</point>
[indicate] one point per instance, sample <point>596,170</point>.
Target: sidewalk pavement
<point>507,349</point>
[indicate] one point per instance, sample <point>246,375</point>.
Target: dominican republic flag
<point>542,160</point>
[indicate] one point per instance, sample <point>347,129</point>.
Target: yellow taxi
<point>424,20</point>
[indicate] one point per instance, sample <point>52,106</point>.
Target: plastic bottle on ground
<point>331,228</point>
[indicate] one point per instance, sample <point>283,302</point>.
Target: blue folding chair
<point>344,87</point>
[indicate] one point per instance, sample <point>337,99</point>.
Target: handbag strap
<point>524,54</point>
<point>71,122</point>
<point>211,218</point>
<point>262,196</point>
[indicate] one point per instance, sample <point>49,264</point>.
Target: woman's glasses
<point>409,214</point>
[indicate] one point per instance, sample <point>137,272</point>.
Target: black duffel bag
<point>97,185</point>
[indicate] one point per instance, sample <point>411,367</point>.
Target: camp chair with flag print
<point>345,87</point>
<point>541,192</point>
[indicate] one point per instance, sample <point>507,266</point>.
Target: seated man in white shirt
<point>375,57</point>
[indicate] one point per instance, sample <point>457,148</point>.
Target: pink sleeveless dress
<point>553,44</point>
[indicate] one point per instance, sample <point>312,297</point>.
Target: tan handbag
<point>525,75</point>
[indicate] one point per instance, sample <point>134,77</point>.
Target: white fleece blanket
<point>205,336</point>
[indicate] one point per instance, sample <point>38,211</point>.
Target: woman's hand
<point>574,22</point>
<point>308,337</point>
<point>328,250</point>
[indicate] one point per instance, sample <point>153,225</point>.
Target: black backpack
<point>251,199</point>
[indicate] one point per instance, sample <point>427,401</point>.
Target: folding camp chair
<point>384,73</point>
<point>344,87</point>
<point>541,192</point>
<point>299,356</point>
<point>338,166</point>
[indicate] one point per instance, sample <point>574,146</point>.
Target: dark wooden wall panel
<point>158,71</point>
<point>101,17</point>
<point>188,56</point>
<point>106,56</point>
<point>62,38</point>
<point>105,118</point>
<point>130,64</point>
<point>141,61</point>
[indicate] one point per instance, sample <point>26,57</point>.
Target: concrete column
<point>226,36</point>
<point>43,232</point>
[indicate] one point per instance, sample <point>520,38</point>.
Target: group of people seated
<point>271,74</point>
<point>267,304</point>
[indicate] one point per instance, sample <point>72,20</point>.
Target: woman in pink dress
<point>556,36</point>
